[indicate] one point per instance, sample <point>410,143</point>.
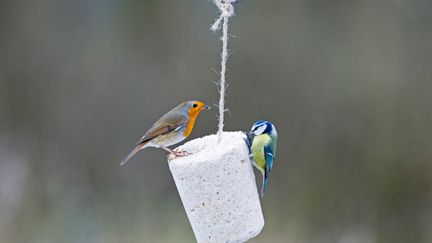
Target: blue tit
<point>262,139</point>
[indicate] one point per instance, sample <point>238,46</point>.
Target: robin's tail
<point>132,153</point>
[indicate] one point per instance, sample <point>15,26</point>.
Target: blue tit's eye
<point>195,105</point>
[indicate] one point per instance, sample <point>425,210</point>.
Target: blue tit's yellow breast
<point>258,144</point>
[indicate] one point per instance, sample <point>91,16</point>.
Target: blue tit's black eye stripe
<point>258,124</point>
<point>264,127</point>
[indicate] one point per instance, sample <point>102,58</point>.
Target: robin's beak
<point>206,107</point>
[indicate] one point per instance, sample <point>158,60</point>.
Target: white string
<point>226,9</point>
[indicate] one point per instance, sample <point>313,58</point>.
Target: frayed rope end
<point>226,9</point>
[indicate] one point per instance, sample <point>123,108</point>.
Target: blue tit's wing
<point>269,158</point>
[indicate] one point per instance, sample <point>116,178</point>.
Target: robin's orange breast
<point>189,126</point>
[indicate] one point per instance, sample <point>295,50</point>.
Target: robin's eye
<point>195,105</point>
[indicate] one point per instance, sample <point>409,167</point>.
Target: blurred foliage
<point>348,84</point>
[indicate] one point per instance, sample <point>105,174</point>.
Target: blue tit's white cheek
<point>260,129</point>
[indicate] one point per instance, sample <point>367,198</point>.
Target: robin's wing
<point>166,124</point>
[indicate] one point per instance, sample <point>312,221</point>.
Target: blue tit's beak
<point>206,107</point>
<point>251,135</point>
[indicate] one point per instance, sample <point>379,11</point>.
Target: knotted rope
<point>226,10</point>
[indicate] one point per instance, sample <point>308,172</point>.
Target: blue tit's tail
<point>264,183</point>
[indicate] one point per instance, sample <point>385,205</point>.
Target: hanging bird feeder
<point>217,186</point>
<point>216,181</point>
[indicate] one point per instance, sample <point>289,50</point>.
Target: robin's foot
<point>181,153</point>
<point>176,154</point>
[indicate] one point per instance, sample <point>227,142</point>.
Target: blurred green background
<point>347,83</point>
